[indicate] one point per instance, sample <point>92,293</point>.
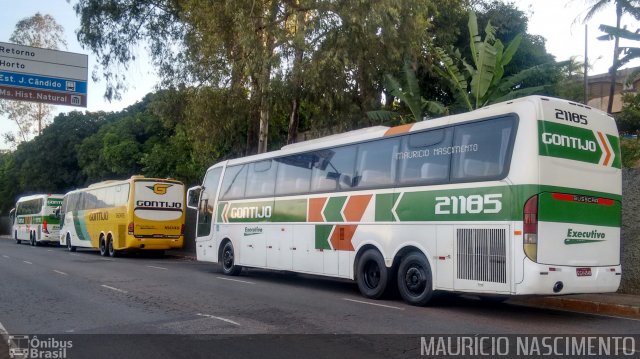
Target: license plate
<point>583,272</point>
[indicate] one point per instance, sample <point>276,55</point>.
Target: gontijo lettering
<point>568,141</point>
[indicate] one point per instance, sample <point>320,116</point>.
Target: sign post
<point>43,75</point>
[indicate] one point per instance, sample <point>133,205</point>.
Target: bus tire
<point>70,248</point>
<point>372,274</point>
<point>103,247</point>
<point>414,279</point>
<point>32,239</point>
<point>229,266</point>
<point>15,234</point>
<point>112,251</point>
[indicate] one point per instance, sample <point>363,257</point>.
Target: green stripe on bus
<point>332,209</point>
<point>290,210</point>
<point>574,143</point>
<point>80,225</point>
<point>384,207</point>
<point>323,231</point>
<point>554,210</point>
<point>615,143</point>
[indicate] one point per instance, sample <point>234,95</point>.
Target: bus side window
<point>424,157</point>
<point>233,184</point>
<point>334,169</point>
<point>377,163</point>
<point>482,150</point>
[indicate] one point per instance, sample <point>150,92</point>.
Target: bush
<point>630,149</point>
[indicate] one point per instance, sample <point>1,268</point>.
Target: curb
<point>584,306</point>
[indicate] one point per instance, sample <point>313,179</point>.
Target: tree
<point>408,94</point>
<point>36,31</point>
<point>631,7</point>
<point>628,53</point>
<point>476,84</point>
<point>628,119</point>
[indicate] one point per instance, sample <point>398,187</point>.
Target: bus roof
<point>381,131</point>
<point>108,183</point>
<point>36,196</point>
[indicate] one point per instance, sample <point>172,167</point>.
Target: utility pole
<point>586,66</point>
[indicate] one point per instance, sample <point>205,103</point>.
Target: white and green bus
<point>34,219</point>
<point>520,197</point>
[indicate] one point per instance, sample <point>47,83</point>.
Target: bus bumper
<point>155,243</point>
<point>553,279</point>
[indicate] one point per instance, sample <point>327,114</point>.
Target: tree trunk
<point>613,71</point>
<point>265,74</point>
<point>294,116</point>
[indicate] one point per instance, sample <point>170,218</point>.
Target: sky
<point>552,19</point>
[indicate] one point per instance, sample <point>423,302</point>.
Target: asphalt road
<point>47,290</point>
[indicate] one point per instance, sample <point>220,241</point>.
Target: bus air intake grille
<point>482,254</point>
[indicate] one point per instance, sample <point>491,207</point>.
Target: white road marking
<point>106,259</point>
<point>57,271</point>
<point>236,280</point>
<point>73,254</point>
<point>376,304</point>
<point>49,250</point>
<point>5,256</point>
<point>27,262</point>
<point>116,289</point>
<point>219,318</point>
<point>157,267</point>
<point>3,331</point>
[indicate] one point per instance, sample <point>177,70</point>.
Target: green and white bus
<point>520,197</point>
<point>34,219</point>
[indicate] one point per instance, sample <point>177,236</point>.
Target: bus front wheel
<point>70,248</point>
<point>229,266</point>
<point>15,234</point>
<point>372,274</point>
<point>414,279</point>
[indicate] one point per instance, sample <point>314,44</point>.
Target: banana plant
<point>480,83</point>
<point>409,94</point>
<point>629,53</point>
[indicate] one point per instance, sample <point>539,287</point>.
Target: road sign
<point>43,75</point>
<point>52,97</point>
<point>42,82</point>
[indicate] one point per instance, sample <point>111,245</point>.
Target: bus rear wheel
<point>414,279</point>
<point>229,266</point>
<point>103,247</point>
<point>32,239</point>
<point>70,248</point>
<point>372,274</point>
<point>112,251</point>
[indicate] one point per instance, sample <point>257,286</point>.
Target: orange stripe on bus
<point>356,205</point>
<point>341,237</point>
<point>315,209</point>
<point>398,129</point>
<point>606,148</point>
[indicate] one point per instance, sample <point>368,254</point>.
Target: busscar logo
<point>159,188</point>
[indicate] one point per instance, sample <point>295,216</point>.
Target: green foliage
<point>630,150</point>
<point>409,95</point>
<point>628,119</point>
<point>478,84</point>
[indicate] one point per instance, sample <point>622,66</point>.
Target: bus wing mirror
<point>193,195</point>
<point>56,212</point>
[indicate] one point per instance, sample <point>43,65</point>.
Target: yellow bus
<point>133,214</point>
